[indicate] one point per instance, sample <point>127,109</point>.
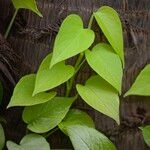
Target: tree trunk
<point>32,39</point>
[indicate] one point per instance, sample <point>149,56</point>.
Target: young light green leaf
<point>108,20</point>
<point>146,134</point>
<point>101,96</point>
<point>48,115</point>
<point>141,86</point>
<point>107,64</point>
<point>85,138</point>
<point>27,4</point>
<point>72,39</point>
<point>2,137</point>
<point>76,117</point>
<point>22,95</point>
<point>29,142</point>
<point>53,77</point>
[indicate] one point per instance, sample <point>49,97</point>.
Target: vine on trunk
<point>45,112</point>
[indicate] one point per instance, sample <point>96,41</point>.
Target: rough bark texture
<point>32,38</point>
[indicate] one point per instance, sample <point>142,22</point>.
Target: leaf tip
<point>118,121</point>
<point>77,86</point>
<point>141,128</point>
<point>9,105</point>
<point>52,63</point>
<point>34,93</point>
<point>40,14</point>
<point>123,62</point>
<point>126,94</point>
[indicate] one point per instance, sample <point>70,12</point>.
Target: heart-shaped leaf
<point>27,4</point>
<point>146,134</point>
<point>53,77</point>
<point>76,117</point>
<point>107,64</point>
<point>85,138</point>
<point>2,137</point>
<point>48,115</point>
<point>109,22</point>
<point>22,95</point>
<point>141,86</point>
<point>30,142</point>
<point>101,96</point>
<point>72,39</point>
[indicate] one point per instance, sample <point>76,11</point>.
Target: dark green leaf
<point>48,115</point>
<point>141,86</point>
<point>53,77</point>
<point>109,22</point>
<point>85,138</point>
<point>107,64</point>
<point>27,4</point>
<point>22,95</point>
<point>101,96</point>
<point>72,39</point>
<point>30,142</point>
<point>2,137</point>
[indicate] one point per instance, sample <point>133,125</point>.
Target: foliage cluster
<point>45,111</point>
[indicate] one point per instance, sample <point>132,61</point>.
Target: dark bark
<point>32,38</point>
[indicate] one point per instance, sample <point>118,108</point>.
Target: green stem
<point>76,71</point>
<point>78,64</point>
<point>11,23</point>
<point>78,68</point>
<point>70,84</point>
<point>91,22</point>
<point>79,60</point>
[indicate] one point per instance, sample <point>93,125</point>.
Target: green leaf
<point>2,137</point>
<point>76,117</point>
<point>107,64</point>
<point>146,134</point>
<point>48,115</point>
<point>85,138</point>
<point>1,92</point>
<point>108,20</point>
<point>22,95</point>
<point>27,4</point>
<point>141,86</point>
<point>101,96</point>
<point>29,142</point>
<point>72,39</point>
<point>53,77</point>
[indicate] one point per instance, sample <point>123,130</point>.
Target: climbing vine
<point>45,111</point>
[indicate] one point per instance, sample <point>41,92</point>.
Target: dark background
<point>32,38</point>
